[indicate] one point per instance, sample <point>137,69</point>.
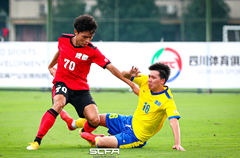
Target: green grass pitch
<point>210,126</point>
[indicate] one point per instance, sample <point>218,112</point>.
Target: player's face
<point>155,83</point>
<point>83,38</point>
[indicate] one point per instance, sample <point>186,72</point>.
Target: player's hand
<point>52,71</point>
<point>178,147</point>
<point>134,72</point>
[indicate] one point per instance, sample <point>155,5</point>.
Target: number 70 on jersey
<point>69,64</point>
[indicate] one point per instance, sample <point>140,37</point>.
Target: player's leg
<point>123,139</point>
<point>48,119</point>
<point>113,122</point>
<point>102,123</point>
<point>86,108</point>
<point>100,141</point>
<point>115,125</point>
<point>79,123</point>
<point>71,123</point>
<point>93,119</point>
<point>103,120</point>
<point>106,142</point>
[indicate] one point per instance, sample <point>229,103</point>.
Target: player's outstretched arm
<point>51,67</point>
<point>176,132</point>
<point>119,75</point>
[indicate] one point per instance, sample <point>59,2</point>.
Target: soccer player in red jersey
<point>74,57</point>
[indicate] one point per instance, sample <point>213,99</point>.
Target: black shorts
<point>78,98</point>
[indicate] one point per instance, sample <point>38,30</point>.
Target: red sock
<point>47,122</point>
<point>88,127</point>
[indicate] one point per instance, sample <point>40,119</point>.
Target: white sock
<point>74,124</point>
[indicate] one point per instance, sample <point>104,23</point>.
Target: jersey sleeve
<point>171,110</point>
<point>100,59</point>
<point>139,80</point>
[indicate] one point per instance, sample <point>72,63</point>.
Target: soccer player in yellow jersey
<point>155,105</point>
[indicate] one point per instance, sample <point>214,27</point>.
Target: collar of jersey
<point>160,92</point>
<point>74,45</point>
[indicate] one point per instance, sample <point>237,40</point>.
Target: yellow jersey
<point>152,109</point>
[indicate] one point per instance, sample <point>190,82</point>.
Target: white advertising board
<point>193,64</point>
<point>24,64</point>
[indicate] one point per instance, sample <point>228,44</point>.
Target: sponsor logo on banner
<point>171,58</point>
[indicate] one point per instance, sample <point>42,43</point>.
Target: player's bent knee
<point>58,107</point>
<point>100,143</point>
<point>94,121</point>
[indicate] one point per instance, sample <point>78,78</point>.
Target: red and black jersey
<point>74,63</point>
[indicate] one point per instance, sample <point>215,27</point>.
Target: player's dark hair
<point>85,23</point>
<point>163,69</point>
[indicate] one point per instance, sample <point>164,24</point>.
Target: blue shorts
<point>121,127</point>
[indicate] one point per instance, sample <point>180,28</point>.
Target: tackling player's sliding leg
<point>71,123</point>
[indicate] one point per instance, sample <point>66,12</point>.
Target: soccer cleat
<point>64,115</point>
<point>90,142</point>
<point>33,146</point>
<point>89,137</point>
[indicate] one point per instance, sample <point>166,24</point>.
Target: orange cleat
<point>64,115</point>
<point>89,137</point>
